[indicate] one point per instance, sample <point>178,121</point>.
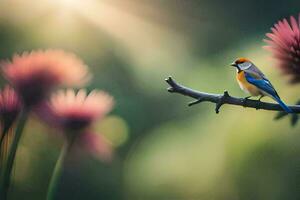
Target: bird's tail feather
<point>283,105</point>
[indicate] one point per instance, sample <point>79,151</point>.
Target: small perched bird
<point>254,82</point>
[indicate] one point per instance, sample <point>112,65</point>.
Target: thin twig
<point>225,98</point>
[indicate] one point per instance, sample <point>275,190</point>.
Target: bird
<point>253,81</point>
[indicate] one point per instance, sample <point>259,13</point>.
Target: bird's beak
<point>233,64</point>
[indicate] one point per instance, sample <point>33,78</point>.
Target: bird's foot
<point>245,100</point>
<point>259,105</point>
<point>262,96</point>
<point>259,102</point>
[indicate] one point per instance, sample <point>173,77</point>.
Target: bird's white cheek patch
<point>245,65</point>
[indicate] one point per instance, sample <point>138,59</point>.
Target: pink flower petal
<point>284,43</point>
<point>36,73</point>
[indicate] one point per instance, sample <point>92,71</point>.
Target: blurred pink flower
<point>284,43</point>
<point>96,144</point>
<point>74,113</point>
<point>35,74</point>
<point>10,107</point>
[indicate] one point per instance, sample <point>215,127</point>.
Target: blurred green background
<point>164,149</point>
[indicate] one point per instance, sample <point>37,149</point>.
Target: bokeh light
<point>114,129</point>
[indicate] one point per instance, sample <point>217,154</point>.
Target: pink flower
<point>74,113</point>
<point>284,43</point>
<point>35,74</point>
<point>10,107</point>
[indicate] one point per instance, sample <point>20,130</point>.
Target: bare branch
<point>225,98</point>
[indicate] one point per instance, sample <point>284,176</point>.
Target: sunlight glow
<point>66,4</point>
<point>148,43</point>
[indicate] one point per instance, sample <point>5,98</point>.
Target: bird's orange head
<point>241,63</point>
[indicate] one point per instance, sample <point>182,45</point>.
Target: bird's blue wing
<point>263,84</point>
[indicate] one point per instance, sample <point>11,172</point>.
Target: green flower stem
<point>3,134</point>
<point>2,137</point>
<point>53,185</point>
<point>2,153</point>
<point>5,181</point>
